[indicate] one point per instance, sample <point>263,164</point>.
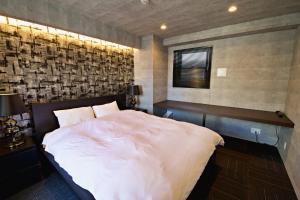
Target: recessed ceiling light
<point>145,2</point>
<point>163,27</point>
<point>232,9</point>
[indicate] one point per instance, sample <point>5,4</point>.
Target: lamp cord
<point>276,133</point>
<point>256,137</point>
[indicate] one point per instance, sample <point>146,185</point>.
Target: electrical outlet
<point>256,131</point>
<point>284,146</point>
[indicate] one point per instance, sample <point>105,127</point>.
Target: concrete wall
<point>160,71</point>
<point>150,71</point>
<point>143,72</point>
<point>257,72</point>
<point>291,154</point>
<point>246,28</point>
<point>50,13</point>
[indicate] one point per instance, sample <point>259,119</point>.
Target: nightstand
<point>20,167</point>
<point>139,109</point>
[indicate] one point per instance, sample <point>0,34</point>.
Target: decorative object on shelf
<point>10,105</point>
<point>133,91</point>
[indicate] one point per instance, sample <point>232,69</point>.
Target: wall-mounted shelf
<point>260,116</point>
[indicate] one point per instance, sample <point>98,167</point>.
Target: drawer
<point>17,161</point>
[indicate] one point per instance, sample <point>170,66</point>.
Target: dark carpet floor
<point>52,188</point>
<point>242,170</point>
<point>250,171</point>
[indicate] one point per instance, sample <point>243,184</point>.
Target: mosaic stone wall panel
<point>42,67</point>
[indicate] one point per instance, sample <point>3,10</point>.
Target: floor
<point>52,188</point>
<point>247,170</point>
<point>241,170</point>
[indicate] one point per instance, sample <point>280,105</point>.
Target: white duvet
<point>131,155</point>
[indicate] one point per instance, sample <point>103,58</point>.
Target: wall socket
<point>255,131</point>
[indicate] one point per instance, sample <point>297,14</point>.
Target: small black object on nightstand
<point>279,114</point>
<point>133,91</point>
<point>20,167</point>
<point>140,109</point>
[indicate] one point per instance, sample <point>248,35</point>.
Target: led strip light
<point>59,32</point>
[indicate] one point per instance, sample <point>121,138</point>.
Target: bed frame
<point>45,121</point>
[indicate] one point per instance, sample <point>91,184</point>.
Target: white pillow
<point>106,109</point>
<point>73,116</point>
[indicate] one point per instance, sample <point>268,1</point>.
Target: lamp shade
<point>133,90</point>
<point>11,104</point>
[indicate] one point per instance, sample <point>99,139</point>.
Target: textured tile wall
<point>291,155</point>
<point>257,72</point>
<point>42,67</point>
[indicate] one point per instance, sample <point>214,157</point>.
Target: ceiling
<point>181,16</point>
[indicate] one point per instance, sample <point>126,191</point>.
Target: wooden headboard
<point>44,120</point>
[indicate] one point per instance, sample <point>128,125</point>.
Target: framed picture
<point>192,67</point>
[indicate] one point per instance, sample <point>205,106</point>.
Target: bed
<point>126,155</point>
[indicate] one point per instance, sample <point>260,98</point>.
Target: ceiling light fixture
<point>145,2</point>
<point>163,27</point>
<point>232,9</point>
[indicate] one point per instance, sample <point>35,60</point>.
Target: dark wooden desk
<point>230,112</point>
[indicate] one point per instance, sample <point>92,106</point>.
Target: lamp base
<point>16,142</point>
<point>132,101</point>
<point>12,131</point>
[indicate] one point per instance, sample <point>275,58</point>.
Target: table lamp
<point>10,105</point>
<point>133,91</point>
